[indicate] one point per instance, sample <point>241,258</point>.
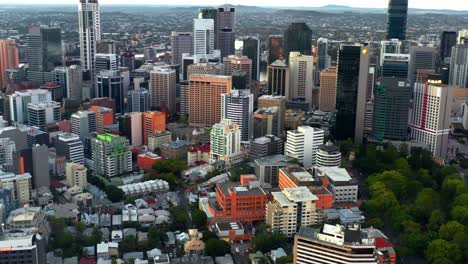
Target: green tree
<point>217,247</point>
<point>442,249</point>
<point>426,201</point>
<point>128,244</point>
<point>393,180</point>
<point>436,220</point>
<point>179,218</point>
<point>460,214</point>
<point>284,260</point>
<point>265,242</point>
<point>207,235</point>
<point>199,218</point>
<point>156,237</point>
<point>114,193</point>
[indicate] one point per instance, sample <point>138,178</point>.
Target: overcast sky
<point>430,4</point>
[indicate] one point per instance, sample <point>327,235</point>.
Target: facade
<point>448,39</point>
<point>225,30</point>
<point>181,42</point>
<point>251,49</point>
<point>458,75</point>
<point>71,147</point>
<point>162,89</point>
<point>203,37</point>
<point>89,20</point>
<point>297,37</point>
<point>138,100</point>
<point>83,123</point>
<point>265,146</point>
<point>278,78</point>
<point>41,114</point>
<point>237,202</point>
<point>341,244</point>
<point>198,155</point>
<point>131,126</point>
<point>396,19</point>
<point>395,65</point>
<point>233,64</point>
<point>421,58</point>
<point>110,83</point>
<point>205,68</point>
<point>74,82</point>
<point>327,101</point>
<point>106,62</point>
<point>147,160</point>
<point>20,184</point>
<point>23,247</point>
<point>184,98</point>
<point>271,101</point>
<point>175,149</point>
<point>9,58</point>
<point>156,140</point>
<point>324,60</point>
<point>237,106</point>
<point>328,155</point>
<point>205,98</point>
<point>351,89</point>
<point>266,122</point>
<point>104,117</point>
<point>430,121</point>
<point>7,147</point>
<point>19,103</point>
<point>127,59</point>
<point>153,122</point>
<point>338,181</point>
<point>225,141</point>
<point>291,209</point>
<point>267,169</point>
<point>110,155</point>
<point>76,175</point>
<point>303,144</point>
<point>301,76</point>
<point>275,48</point>
<point>391,106</point>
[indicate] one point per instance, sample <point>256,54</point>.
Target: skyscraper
<point>181,42</point>
<point>70,146</point>
<point>111,84</point>
<point>104,117</point>
<point>391,105</point>
<point>458,75</point>
<point>278,78</point>
<point>301,76</point>
<point>303,144</point>
<point>395,65</point>
<point>391,46</point>
<point>225,142</point>
<point>127,59</point>
<point>279,102</point>
<point>351,89</point>
<point>205,98</point>
<point>430,121</point>
<point>327,101</point>
<point>83,123</point>
<point>226,31</point>
<point>324,60</point>
<point>421,58</point>
<point>251,49</point>
<point>237,106</point>
<point>298,37</point>
<point>162,88</point>
<point>396,19</point>
<point>110,155</point>
<point>448,39</point>
<point>89,20</point>
<point>275,48</point>
<point>74,82</point>
<point>9,58</point>
<point>234,63</point>
<point>152,122</point>
<point>41,114</point>
<point>203,37</point>
<point>138,100</point>
<point>105,62</point>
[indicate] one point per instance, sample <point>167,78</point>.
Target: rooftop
<point>275,160</point>
<point>239,189</point>
<point>335,174</point>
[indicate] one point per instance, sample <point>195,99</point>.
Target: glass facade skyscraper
<point>396,20</point>
<point>297,37</point>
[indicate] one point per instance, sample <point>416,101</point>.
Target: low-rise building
<point>340,183</point>
<point>147,160</point>
<point>107,250</point>
<point>267,169</point>
<point>21,246</point>
<point>198,155</point>
<point>175,149</point>
<point>268,145</point>
<point>158,138</point>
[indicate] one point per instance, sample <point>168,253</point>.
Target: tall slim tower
<point>301,76</point>
<point>297,37</point>
<point>203,37</point>
<point>226,31</point>
<point>459,66</point>
<point>90,32</point>
<point>238,107</point>
<point>181,42</point>
<point>162,88</point>
<point>396,20</point>
<point>9,58</point>
<point>251,49</point>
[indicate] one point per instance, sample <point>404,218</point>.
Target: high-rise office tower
<point>395,65</point>
<point>205,98</point>
<point>327,98</point>
<point>9,58</point>
<point>351,89</point>
<point>19,103</point>
<point>131,126</point>
<point>391,46</point>
<point>234,63</point>
<point>162,88</point>
<point>301,76</point>
<point>7,147</point>
<point>74,82</point>
<point>421,58</point>
<point>275,49</point>
<point>278,78</point>
<point>448,39</point>
<point>111,84</point>
<point>41,114</point>
<point>391,105</point>
<point>224,140</point>
<point>210,13</point>
<point>458,75</point>
<point>396,19</point>
<point>303,144</point>
<point>251,49</point>
<point>430,120</point>
<point>268,101</point>
<point>203,37</point>
<point>127,59</point>
<point>237,106</point>
<point>138,100</point>
<point>267,122</point>
<point>181,42</point>
<point>44,52</point>
<point>324,60</point>
<point>104,117</point>
<point>297,37</point>
<point>226,31</point>
<point>152,122</point>
<point>105,62</point>
<point>76,175</point>
<point>89,20</point>
<point>83,123</point>
<point>70,146</point>
<point>184,98</point>
<point>110,155</point>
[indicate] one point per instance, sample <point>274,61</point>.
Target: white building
<point>430,120</point>
<point>391,46</point>
<point>343,187</point>
<point>83,123</point>
<point>76,175</point>
<point>41,114</point>
<point>290,209</point>
<point>238,107</point>
<point>20,100</point>
<point>7,147</point>
<point>328,155</point>
<point>301,76</point>
<point>459,66</point>
<point>303,144</point>
<point>203,37</point>
<point>225,142</point>
<point>89,21</point>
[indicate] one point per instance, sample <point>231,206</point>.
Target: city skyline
<point>420,4</point>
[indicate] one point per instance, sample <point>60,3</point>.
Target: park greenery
<point>421,206</point>
<point>114,194</point>
<point>169,170</point>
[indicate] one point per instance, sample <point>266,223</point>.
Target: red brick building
<point>146,161</point>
